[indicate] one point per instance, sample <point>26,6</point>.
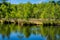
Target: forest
<point>49,10</point>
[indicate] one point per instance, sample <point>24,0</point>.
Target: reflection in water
<point>15,32</point>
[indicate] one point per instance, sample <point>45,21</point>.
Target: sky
<point>24,1</point>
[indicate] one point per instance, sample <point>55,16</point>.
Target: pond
<point>17,32</point>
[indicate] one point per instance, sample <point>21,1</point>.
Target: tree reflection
<point>50,32</point>
<point>26,31</point>
<point>5,31</point>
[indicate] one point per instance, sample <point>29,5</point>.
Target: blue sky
<point>24,1</point>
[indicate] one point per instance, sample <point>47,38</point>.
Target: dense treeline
<point>50,10</point>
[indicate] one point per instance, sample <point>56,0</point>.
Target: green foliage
<point>50,10</point>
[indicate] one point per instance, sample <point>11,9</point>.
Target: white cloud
<point>40,1</point>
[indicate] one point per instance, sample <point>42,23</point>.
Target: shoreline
<point>30,21</point>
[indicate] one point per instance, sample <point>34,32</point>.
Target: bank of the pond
<point>31,21</point>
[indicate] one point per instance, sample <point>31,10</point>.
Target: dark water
<point>16,32</point>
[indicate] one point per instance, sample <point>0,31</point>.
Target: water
<point>16,32</point>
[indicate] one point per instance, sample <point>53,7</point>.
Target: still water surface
<point>16,32</point>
